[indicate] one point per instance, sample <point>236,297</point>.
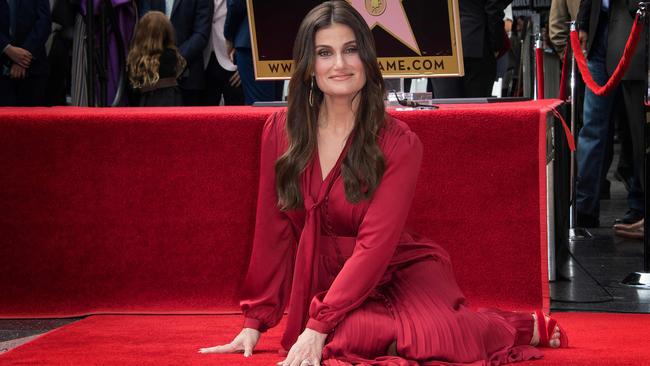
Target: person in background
<point>483,38</point>
<point>154,62</point>
<point>560,17</point>
<point>561,14</point>
<point>25,26</point>
<point>237,33</point>
<point>504,61</point>
<point>192,21</point>
<point>60,54</point>
<point>222,77</point>
<point>604,27</point>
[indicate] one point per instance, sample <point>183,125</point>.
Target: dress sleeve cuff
<point>319,326</point>
<point>255,324</point>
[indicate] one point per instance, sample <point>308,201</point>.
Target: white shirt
<point>217,42</point>
<point>169,6</point>
<point>507,13</point>
<point>605,5</point>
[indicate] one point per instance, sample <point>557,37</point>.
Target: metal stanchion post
<point>575,233</point>
<point>90,52</point>
<point>646,142</point>
<point>642,279</point>
<point>538,45</point>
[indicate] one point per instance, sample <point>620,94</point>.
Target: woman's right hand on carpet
<point>244,342</point>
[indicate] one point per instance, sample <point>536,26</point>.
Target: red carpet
<point>596,339</point>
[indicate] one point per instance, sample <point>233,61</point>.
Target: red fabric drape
<point>88,192</point>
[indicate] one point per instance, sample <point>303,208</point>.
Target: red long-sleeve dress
<point>352,271</point>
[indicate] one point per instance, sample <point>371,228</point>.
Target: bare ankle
<point>534,341</point>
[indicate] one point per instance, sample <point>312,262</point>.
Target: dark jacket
<point>620,20</point>
<point>33,27</point>
<point>481,22</point>
<point>236,28</point>
<point>192,20</point>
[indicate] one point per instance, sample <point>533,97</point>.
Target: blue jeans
<point>635,198</point>
<point>596,136</point>
<point>254,90</point>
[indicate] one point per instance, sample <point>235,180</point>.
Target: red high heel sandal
<point>547,329</point>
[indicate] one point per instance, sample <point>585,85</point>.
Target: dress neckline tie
<point>303,287</point>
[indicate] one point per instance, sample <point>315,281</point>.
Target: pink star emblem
<point>390,15</point>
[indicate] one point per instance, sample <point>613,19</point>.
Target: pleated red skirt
<point>422,311</point>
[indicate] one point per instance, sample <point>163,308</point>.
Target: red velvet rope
<point>567,131</point>
<point>563,77</point>
<point>539,61</point>
<point>622,67</point>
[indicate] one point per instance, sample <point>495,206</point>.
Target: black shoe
<point>630,217</point>
<point>585,221</point>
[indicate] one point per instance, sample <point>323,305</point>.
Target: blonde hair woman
<point>154,62</point>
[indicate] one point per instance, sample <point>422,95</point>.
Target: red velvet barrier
<point>152,210</point>
<point>621,68</point>
<point>539,67</point>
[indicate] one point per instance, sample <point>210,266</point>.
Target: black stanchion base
<point>637,279</point>
<point>578,234</point>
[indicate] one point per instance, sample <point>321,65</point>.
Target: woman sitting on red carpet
<point>337,179</point>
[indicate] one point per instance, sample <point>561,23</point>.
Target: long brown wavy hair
<point>363,166</point>
<point>153,34</point>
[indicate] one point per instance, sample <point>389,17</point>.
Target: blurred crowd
<point>196,52</point>
<point>151,53</point>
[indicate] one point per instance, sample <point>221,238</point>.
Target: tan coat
<point>562,12</point>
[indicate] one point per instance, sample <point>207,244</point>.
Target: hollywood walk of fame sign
<point>414,38</point>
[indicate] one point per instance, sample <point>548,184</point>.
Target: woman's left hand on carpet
<point>307,350</point>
